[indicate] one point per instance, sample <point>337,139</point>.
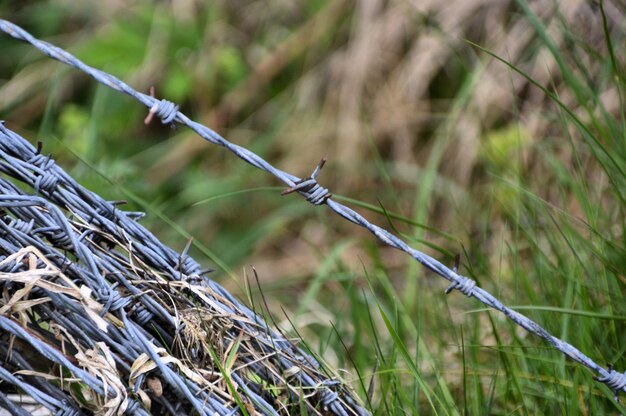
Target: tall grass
<point>490,129</point>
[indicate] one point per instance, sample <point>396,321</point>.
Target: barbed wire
<point>87,290</point>
<point>104,287</point>
<point>318,195</point>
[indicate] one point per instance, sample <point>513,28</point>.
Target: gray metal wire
<point>104,287</point>
<point>314,193</point>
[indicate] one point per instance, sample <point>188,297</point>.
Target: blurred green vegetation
<point>492,129</point>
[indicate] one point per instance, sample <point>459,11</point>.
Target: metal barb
<point>310,189</point>
<point>615,380</point>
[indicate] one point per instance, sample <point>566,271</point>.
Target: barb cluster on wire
<point>314,193</point>
<point>139,327</point>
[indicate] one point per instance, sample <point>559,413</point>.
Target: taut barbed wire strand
<point>314,193</point>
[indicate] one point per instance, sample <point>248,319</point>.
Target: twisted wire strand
<point>32,220</point>
<point>317,195</point>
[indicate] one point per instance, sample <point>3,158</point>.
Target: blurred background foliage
<point>490,128</point>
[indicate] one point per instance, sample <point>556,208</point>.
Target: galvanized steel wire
<point>316,194</point>
<point>103,273</point>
